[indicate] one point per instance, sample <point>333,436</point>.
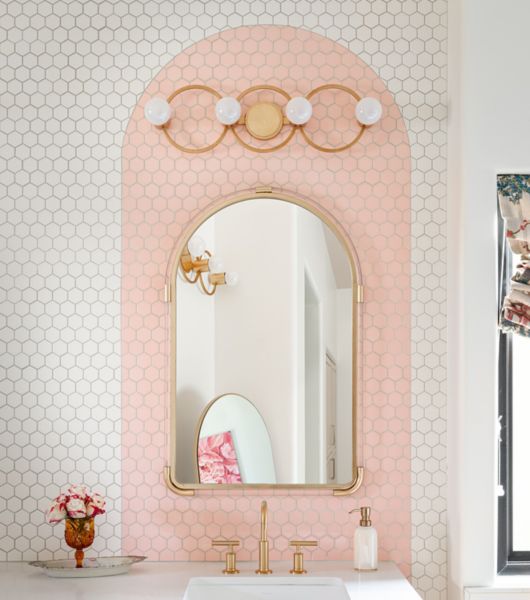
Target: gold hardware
<point>217,279</point>
<point>230,558</point>
<point>170,477</point>
<point>351,488</point>
<point>298,556</point>
<point>211,146</point>
<point>197,266</point>
<point>175,487</point>
<point>342,88</point>
<point>263,120</point>
<point>360,294</point>
<point>263,560</point>
<point>365,515</point>
<point>167,293</point>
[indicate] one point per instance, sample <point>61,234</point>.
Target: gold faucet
<point>263,561</point>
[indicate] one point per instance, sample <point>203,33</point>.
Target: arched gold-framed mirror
<point>286,338</point>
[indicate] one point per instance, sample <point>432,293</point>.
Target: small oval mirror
<point>233,443</point>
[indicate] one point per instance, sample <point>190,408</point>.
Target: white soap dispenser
<point>364,542</point>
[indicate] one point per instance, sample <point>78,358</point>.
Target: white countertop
<point>168,580</point>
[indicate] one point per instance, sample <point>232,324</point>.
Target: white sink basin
<point>266,587</point>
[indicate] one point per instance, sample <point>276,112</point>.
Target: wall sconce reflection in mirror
<point>197,265</point>
<point>264,120</point>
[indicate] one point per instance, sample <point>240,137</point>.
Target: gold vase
<point>79,534</point>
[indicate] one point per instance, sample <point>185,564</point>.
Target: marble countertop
<point>168,581</point>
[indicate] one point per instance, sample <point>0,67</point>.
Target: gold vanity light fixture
<point>264,120</point>
<point>197,265</point>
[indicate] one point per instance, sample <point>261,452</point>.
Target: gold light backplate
<point>188,489</point>
<point>264,120</point>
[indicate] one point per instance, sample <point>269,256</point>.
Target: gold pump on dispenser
<point>365,515</point>
<point>364,542</point>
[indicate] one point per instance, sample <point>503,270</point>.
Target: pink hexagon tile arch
<point>367,190</point>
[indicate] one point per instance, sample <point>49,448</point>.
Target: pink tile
<point>367,192</point>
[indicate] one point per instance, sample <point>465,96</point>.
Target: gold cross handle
<point>298,557</point>
<point>231,567</point>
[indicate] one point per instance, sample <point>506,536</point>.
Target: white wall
<point>315,262</point>
<point>255,321</point>
<point>489,133</point>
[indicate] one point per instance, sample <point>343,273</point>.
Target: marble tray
<point>92,567</point>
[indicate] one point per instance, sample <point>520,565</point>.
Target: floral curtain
<point>514,202</point>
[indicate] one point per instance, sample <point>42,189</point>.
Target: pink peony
<point>228,450</point>
<point>212,442</point>
<point>77,503</point>
<point>95,505</point>
<point>78,491</point>
<point>212,472</point>
<point>75,507</point>
<point>232,468</point>
<point>57,511</point>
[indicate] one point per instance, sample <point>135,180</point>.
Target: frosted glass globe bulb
<point>157,111</point>
<point>215,265</point>
<point>231,278</point>
<point>196,246</point>
<point>368,111</point>
<point>298,110</point>
<point>228,110</point>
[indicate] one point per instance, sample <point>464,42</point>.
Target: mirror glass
<point>233,444</point>
<point>264,323</point>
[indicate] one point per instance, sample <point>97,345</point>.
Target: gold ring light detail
<point>264,120</point>
<point>342,88</point>
<point>189,88</point>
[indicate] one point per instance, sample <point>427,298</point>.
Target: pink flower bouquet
<point>77,503</point>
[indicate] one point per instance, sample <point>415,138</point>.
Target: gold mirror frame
<point>188,489</point>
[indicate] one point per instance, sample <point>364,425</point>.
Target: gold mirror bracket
<point>264,189</point>
<point>174,487</point>
<point>360,294</point>
<point>167,292</point>
<point>355,484</point>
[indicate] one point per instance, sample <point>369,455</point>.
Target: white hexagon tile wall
<point>71,73</point>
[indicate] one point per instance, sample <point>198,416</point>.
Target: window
<point>513,555</point>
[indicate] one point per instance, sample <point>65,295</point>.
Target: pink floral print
<point>514,203</point>
<point>217,459</point>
